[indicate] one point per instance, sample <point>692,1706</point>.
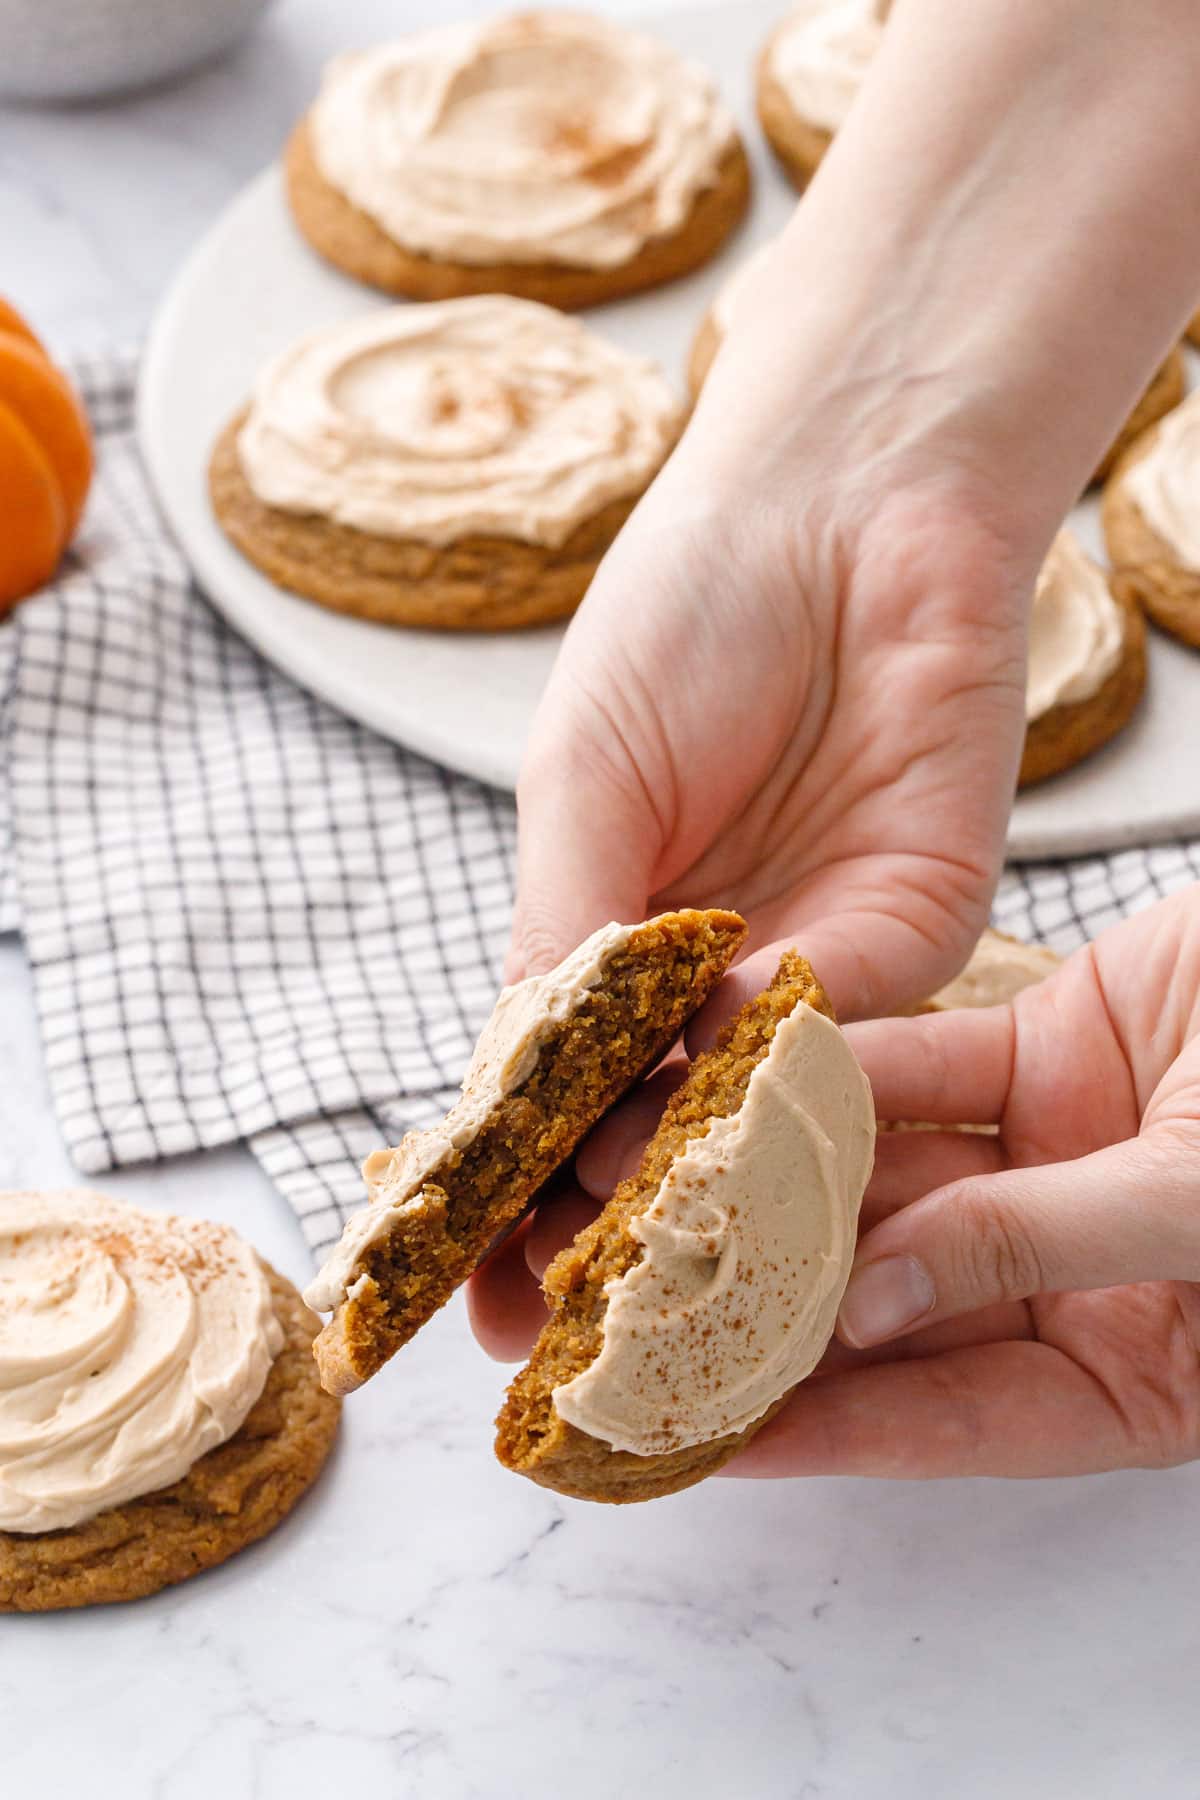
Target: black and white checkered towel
<point>248,918</point>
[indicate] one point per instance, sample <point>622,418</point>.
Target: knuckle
<point>995,1255</point>
<point>1151,1370</point>
<point>540,938</point>
<point>938,1071</point>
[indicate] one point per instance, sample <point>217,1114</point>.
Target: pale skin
<point>796,687</point>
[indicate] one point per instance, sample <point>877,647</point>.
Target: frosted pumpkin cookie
<point>159,1407</point>
<point>1087,662</point>
<point>1000,968</point>
<point>1151,514</point>
<point>463,465</point>
<point>708,1287</point>
<point>809,73</point>
<point>1193,330</point>
<point>547,154</point>
<point>558,1051</point>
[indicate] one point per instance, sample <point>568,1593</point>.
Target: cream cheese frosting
<point>999,968</point>
<point>537,137</point>
<point>1165,483</point>
<point>1076,632</point>
<point>821,54</point>
<point>747,1248</point>
<point>131,1343</point>
<point>489,415</point>
<point>505,1055</point>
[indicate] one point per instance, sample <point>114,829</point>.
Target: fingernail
<point>883,1298</point>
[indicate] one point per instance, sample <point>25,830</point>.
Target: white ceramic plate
<point>252,285</point>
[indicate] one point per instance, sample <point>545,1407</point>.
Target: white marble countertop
<point>429,1625</point>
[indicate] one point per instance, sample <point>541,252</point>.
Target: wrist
<point>955,306</point>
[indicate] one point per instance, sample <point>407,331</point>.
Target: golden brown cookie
<point>798,145</point>
<point>1165,391</point>
<point>229,1498</point>
<point>613,1035</point>
<point>476,584</point>
<point>1066,734</point>
<point>353,242</point>
<point>532,1438</point>
<point>1193,330</point>
<point>1146,571</point>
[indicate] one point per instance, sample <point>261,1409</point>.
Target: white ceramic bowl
<point>77,49</point>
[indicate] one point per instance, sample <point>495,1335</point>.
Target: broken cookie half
<point>559,1050</point>
<point>708,1286</point>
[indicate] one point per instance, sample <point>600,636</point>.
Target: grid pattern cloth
<point>247,917</point>
<point>10,915</point>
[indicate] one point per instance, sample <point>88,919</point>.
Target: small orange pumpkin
<point>45,461</point>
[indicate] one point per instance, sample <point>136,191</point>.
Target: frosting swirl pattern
<point>537,137</point>
<point>131,1343</point>
<point>1076,632</point>
<point>747,1248</point>
<point>821,54</point>
<point>433,422</point>
<point>1165,483</point>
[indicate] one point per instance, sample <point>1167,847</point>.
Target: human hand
<point>1032,1300</point>
<point>1050,1274</point>
<point>830,743</point>
<point>799,697</point>
<point>794,687</point>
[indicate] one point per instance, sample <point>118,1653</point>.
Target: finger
<point>586,843</point>
<point>911,1164</point>
<point>868,961</point>
<point>614,1149</point>
<point>505,1304</point>
<point>556,1224</point>
<point>951,1068</point>
<point>1008,1321</point>
<point>1124,1214</point>
<point>997,1409</point>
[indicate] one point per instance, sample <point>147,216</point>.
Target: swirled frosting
<point>821,53</point>
<point>505,1055</point>
<point>130,1344</point>
<point>536,137</point>
<point>486,415</point>
<point>747,1248</point>
<point>1076,632</point>
<point>1165,483</point>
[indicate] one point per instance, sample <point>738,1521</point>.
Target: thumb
<point>587,841</point>
<point>1124,1214</point>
